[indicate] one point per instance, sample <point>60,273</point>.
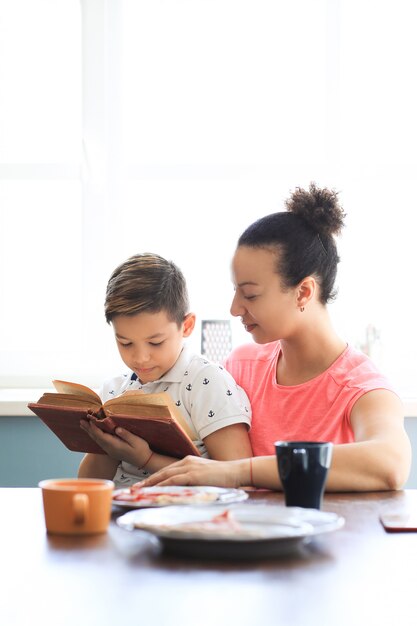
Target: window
<point>40,187</point>
<point>131,125</point>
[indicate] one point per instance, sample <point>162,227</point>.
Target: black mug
<point>302,467</point>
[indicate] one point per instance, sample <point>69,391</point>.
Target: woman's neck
<point>310,352</point>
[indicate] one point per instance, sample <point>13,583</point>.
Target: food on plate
<point>160,497</point>
<point>223,523</point>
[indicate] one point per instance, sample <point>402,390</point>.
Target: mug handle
<point>80,507</point>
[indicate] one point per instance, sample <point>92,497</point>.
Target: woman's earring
<point>302,309</point>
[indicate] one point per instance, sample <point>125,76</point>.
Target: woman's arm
<point>378,460</point>
<point>380,457</point>
<point>192,470</point>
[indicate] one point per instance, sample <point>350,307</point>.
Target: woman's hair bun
<point>320,208</point>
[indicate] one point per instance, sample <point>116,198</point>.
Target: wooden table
<point>359,575</point>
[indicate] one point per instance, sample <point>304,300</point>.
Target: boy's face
<point>150,343</point>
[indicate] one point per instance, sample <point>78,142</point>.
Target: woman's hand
<point>122,447</point>
<point>194,470</point>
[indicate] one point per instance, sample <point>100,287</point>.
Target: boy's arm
<point>216,403</point>
<point>97,466</point>
<point>228,443</point>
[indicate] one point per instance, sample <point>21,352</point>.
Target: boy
<point>147,305</point>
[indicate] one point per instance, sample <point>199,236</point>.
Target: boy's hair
<point>302,238</point>
<point>147,282</point>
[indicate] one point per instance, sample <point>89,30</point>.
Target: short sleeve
<point>215,401</point>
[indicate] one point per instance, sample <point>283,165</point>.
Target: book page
<point>156,400</point>
<point>70,400</point>
<point>66,387</point>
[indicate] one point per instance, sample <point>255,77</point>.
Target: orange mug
<point>77,506</point>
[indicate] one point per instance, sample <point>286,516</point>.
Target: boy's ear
<point>188,324</point>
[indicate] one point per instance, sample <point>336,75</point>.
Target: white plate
<point>264,530</point>
<point>181,495</point>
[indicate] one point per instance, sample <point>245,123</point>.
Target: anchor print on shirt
<point>206,381</point>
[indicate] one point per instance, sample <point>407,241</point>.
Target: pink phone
<point>399,522</point>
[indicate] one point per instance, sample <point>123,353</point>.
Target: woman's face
<point>268,311</point>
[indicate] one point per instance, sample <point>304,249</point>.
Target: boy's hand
<point>123,446</point>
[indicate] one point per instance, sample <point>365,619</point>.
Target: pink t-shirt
<point>318,410</point>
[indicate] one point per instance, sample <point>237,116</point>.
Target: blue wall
<point>30,452</point>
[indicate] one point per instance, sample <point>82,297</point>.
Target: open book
<point>154,417</point>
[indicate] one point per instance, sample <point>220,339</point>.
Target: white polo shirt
<point>205,393</point>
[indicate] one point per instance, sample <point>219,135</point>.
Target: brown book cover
<point>153,417</point>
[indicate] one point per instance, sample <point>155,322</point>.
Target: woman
<point>303,381</point>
